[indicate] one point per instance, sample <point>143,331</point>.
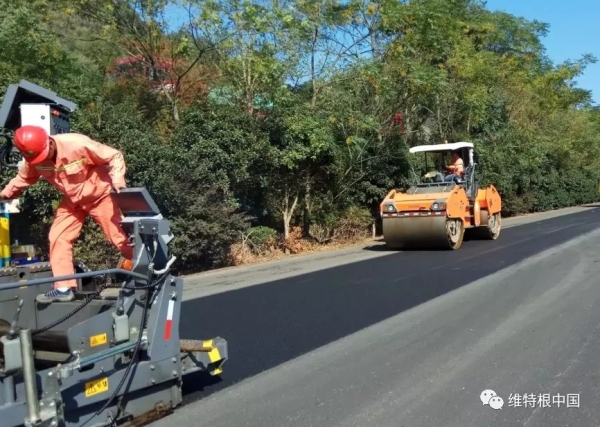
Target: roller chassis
<point>439,215</point>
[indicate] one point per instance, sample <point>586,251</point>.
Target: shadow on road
<point>198,381</point>
<point>378,247</point>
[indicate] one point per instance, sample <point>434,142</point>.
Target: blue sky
<point>574,30</point>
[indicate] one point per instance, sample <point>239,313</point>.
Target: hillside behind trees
<point>273,126</point>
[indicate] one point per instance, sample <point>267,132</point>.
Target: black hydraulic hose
<point>137,346</point>
<point>89,299</point>
<point>5,151</point>
<point>133,357</point>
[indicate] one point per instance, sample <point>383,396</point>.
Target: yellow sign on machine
<point>95,387</point>
<point>6,208</point>
<point>5,241</point>
<point>96,340</point>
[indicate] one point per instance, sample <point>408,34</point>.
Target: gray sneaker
<point>55,296</point>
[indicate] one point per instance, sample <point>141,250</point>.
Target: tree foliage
<point>300,112</point>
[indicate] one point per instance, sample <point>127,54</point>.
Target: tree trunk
<point>175,112</point>
<point>286,225</point>
<point>287,211</point>
<point>307,209</point>
<point>313,77</point>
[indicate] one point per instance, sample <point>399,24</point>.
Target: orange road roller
<point>437,211</point>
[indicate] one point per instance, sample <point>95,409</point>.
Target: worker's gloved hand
<point>118,187</point>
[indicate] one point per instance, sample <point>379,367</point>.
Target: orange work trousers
<point>67,225</point>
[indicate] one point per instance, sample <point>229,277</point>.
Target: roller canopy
<point>440,147</point>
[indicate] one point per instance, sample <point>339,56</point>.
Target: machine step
<point>196,345</point>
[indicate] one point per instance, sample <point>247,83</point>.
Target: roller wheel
<point>455,232</point>
<point>491,225</point>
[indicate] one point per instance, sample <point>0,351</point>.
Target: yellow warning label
<point>97,340</point>
<point>96,387</point>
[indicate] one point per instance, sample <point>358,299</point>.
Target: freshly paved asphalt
<point>516,315</point>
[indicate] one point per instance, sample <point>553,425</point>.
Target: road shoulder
<point>232,278</point>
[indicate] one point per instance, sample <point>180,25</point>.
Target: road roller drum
<point>423,233</point>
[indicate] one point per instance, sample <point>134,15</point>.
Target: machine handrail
<point>85,275</point>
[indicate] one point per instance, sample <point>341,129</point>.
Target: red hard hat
<point>33,143</point>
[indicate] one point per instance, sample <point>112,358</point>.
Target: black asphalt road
<point>269,324</point>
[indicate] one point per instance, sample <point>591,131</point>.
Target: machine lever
<point>12,333</point>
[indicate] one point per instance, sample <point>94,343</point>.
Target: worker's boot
<point>56,296</point>
<point>125,264</point>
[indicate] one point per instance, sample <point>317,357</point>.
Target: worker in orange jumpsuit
<point>456,168</point>
<point>84,172</point>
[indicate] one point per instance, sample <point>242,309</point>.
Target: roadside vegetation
<point>271,128</point>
